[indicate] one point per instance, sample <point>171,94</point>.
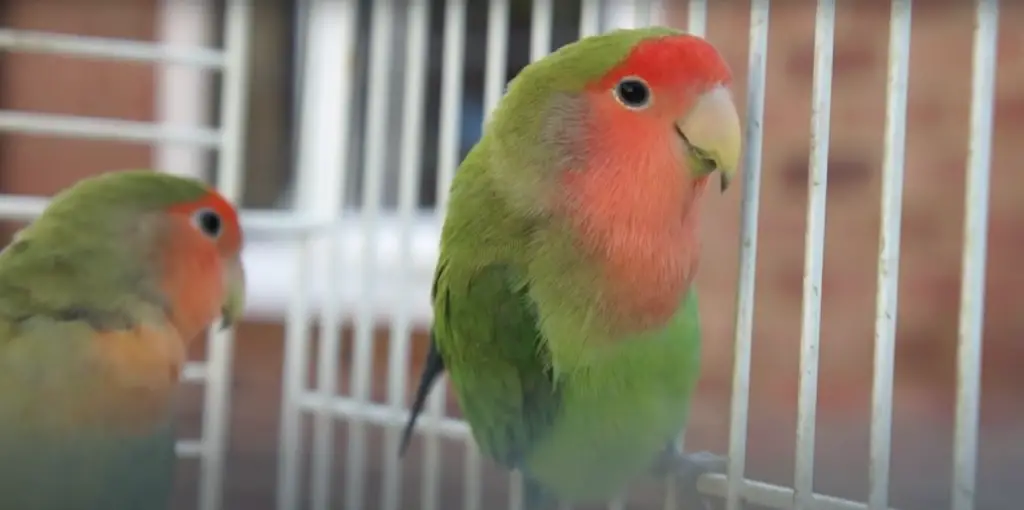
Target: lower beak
<point>234,300</point>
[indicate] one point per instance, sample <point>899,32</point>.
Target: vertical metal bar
<point>299,54</point>
<point>410,167</point>
<point>616,15</point>
<point>324,120</point>
<point>234,94</point>
<point>590,17</point>
<point>542,20</point>
<point>642,13</point>
<point>821,102</point>
<point>183,92</point>
<point>515,491</point>
<point>296,358</point>
<point>671,484</point>
<point>656,12</point>
<point>750,207</point>
<point>889,254</point>
<point>380,58</point>
<point>497,55</point>
<point>432,448</point>
<point>326,124</point>
<point>471,483</point>
<point>972,291</point>
<point>451,99</point>
<point>697,17</point>
<point>671,499</point>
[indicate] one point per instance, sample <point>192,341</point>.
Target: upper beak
<point>712,129</point>
<point>234,300</point>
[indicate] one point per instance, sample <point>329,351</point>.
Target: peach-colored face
<point>635,115</point>
<point>637,156</point>
<point>203,275</point>
<point>633,202</point>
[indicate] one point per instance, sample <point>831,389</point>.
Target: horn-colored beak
<point>712,130</point>
<point>234,300</point>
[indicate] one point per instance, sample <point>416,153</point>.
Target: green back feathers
<point>90,254</point>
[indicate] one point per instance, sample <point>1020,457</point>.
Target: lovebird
<point>99,299</point>
<point>564,311</point>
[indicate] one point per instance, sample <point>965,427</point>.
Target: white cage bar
<point>393,252</point>
<point>972,289</point>
<point>889,253</point>
<point>814,254</point>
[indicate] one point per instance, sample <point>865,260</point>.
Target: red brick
<point>851,60</point>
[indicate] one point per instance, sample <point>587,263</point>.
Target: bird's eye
<point>633,93</point>
<point>208,222</point>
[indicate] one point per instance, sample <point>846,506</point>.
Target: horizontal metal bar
<point>773,496</point>
<point>21,208</point>
<point>194,372</point>
<point>31,41</point>
<point>96,128</point>
<point>283,224</point>
<point>354,410</point>
<point>276,224</point>
<point>756,492</point>
<point>188,448</point>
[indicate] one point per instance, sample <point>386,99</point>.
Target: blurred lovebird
<point>564,308</point>
<point>99,299</point>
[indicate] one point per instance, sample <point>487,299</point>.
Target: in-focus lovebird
<point>99,299</point>
<point>564,308</point>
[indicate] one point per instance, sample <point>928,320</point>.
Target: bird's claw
<point>688,468</point>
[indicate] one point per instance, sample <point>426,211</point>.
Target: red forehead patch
<point>677,60</point>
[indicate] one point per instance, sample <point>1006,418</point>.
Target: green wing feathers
<point>485,333</point>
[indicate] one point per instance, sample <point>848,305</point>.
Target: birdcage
<point>388,96</point>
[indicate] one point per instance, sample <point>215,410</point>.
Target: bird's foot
<point>688,468</point>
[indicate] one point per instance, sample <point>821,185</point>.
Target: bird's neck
<point>643,238</point>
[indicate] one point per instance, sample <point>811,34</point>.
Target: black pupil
<point>209,222</point>
<point>633,93</point>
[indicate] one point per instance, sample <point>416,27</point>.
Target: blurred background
<point>932,225</point>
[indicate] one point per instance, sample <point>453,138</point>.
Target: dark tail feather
<point>433,369</point>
